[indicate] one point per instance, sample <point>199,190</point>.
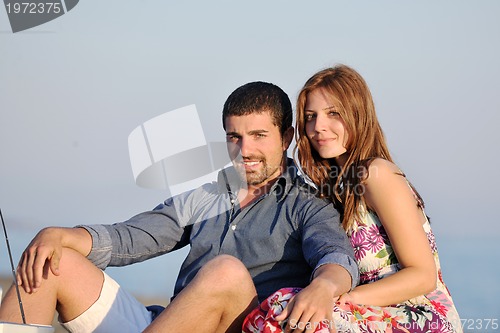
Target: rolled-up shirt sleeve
<point>342,260</point>
<point>100,255</point>
<point>145,235</point>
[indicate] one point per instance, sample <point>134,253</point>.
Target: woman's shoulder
<point>382,169</point>
<point>386,184</point>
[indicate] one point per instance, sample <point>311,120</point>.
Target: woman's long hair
<point>348,92</point>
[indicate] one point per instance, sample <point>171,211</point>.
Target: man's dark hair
<point>258,97</point>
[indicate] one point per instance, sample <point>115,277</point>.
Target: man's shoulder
<point>304,189</point>
<point>303,185</point>
<point>197,194</point>
<point>306,202</point>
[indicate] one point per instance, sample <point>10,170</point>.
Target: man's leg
<point>217,300</point>
<point>71,293</point>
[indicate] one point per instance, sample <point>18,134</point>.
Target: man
<point>257,229</point>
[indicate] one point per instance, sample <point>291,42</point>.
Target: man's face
<point>256,147</point>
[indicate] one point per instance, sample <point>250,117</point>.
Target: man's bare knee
<point>79,285</point>
<point>224,267</point>
<point>75,268</point>
<point>225,273</point>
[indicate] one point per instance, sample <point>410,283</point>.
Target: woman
<point>342,149</point>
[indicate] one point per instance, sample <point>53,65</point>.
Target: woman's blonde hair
<point>348,92</point>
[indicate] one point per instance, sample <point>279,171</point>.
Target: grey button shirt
<point>281,238</point>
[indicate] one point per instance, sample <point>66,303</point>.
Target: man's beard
<point>256,177</point>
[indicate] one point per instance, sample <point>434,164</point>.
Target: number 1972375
<point>33,7</point>
<point>479,324</point>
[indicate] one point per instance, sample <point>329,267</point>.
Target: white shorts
<point>114,311</point>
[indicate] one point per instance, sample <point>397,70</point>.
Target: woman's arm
<point>387,193</point>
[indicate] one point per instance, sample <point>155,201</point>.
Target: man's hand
<point>313,305</point>
<point>44,253</point>
<point>306,310</point>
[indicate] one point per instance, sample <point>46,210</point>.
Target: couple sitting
<point>355,253</point>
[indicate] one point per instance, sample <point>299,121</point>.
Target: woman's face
<point>324,127</point>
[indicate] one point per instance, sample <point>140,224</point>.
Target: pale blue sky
<point>72,90</point>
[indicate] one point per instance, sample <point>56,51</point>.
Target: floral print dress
<point>433,312</point>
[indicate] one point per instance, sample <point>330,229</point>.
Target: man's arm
<point>46,249</point>
<point>141,237</point>
<point>327,249</point>
<point>325,242</point>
